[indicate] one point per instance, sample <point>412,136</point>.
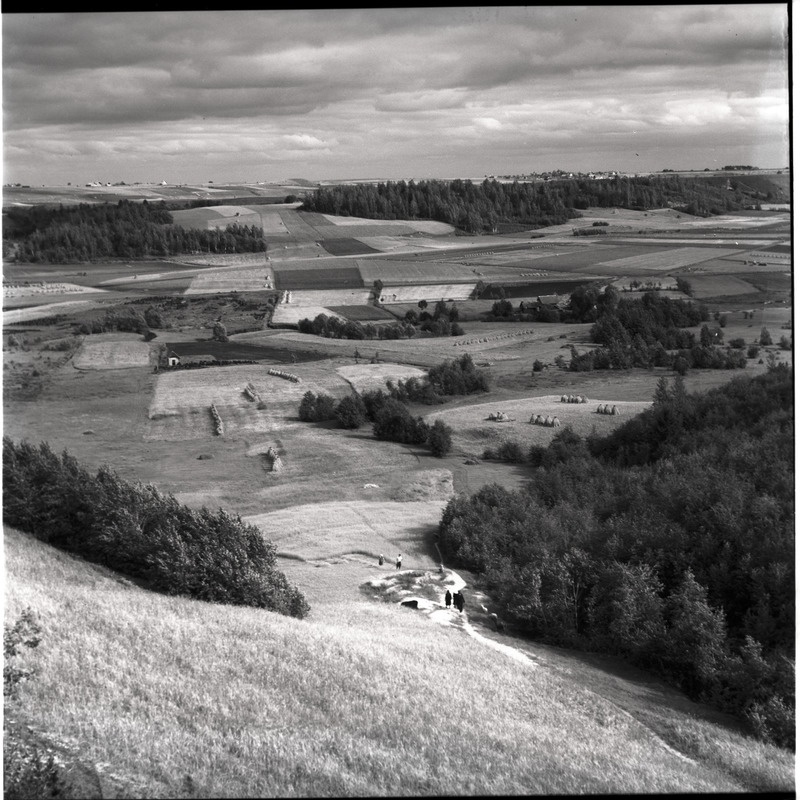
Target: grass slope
<point>363,698</point>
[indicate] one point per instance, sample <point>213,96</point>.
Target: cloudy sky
<point>392,93</point>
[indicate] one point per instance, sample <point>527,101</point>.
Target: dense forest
<point>142,533</point>
<point>669,542</point>
<point>86,233</point>
<point>486,206</point>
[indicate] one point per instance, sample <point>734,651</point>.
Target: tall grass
<point>366,699</point>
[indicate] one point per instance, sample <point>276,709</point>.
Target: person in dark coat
<point>399,562</point>
<point>447,599</point>
<point>458,600</point>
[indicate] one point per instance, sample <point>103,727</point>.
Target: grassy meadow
<point>363,698</point>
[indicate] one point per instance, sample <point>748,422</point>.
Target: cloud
<point>343,87</point>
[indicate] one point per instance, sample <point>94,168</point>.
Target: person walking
<point>457,601</point>
<point>380,560</point>
<point>399,562</point>
<point>448,598</point>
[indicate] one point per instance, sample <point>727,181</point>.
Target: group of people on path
<point>456,599</point>
<point>398,562</point>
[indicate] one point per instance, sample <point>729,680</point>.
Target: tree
<point>440,438</point>
<point>351,412</point>
<point>695,635</point>
<point>219,333</point>
<point>765,339</point>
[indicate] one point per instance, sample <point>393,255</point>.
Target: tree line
<point>669,542</point>
<point>142,533</point>
<point>86,233</point>
<point>482,207</point>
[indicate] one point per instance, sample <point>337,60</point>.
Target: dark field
<point>347,247</point>
<point>341,278</point>
<point>532,289</point>
<point>236,350</point>
<point>89,274</point>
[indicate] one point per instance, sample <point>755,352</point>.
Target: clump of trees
<point>142,533</point>
<point>128,229</point>
<point>669,542</point>
<point>336,328</point>
<point>388,412</point>
<point>442,322</point>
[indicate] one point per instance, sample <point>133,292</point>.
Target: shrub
<point>785,343</point>
<point>394,422</point>
<point>753,351</point>
<point>765,339</point>
<point>440,438</point>
<point>511,451</point>
<point>25,632</point>
<point>738,343</point>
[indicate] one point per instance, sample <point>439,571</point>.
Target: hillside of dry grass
<point>362,698</point>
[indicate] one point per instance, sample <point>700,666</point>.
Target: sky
<point>324,94</point>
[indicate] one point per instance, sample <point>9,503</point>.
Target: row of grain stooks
<point>279,373</point>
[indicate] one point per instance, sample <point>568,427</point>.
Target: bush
<point>738,343</point>
<point>394,422</point>
<point>511,451</point>
<point>753,351</point>
<point>765,339</point>
<point>785,343</point>
<point>440,438</point>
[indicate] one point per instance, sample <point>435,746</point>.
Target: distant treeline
<point>479,207</point>
<point>86,233</point>
<point>142,533</point>
<point>669,542</point>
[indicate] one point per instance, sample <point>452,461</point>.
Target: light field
<point>366,377</point>
<point>472,431</point>
<point>667,260</point>
<point>291,314</point>
<point>180,407</point>
<point>419,272</point>
<point>327,531</point>
<point>230,279</point>
<point>111,355</point>
<point>47,310</point>
<point>424,226</point>
<point>431,292</point>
